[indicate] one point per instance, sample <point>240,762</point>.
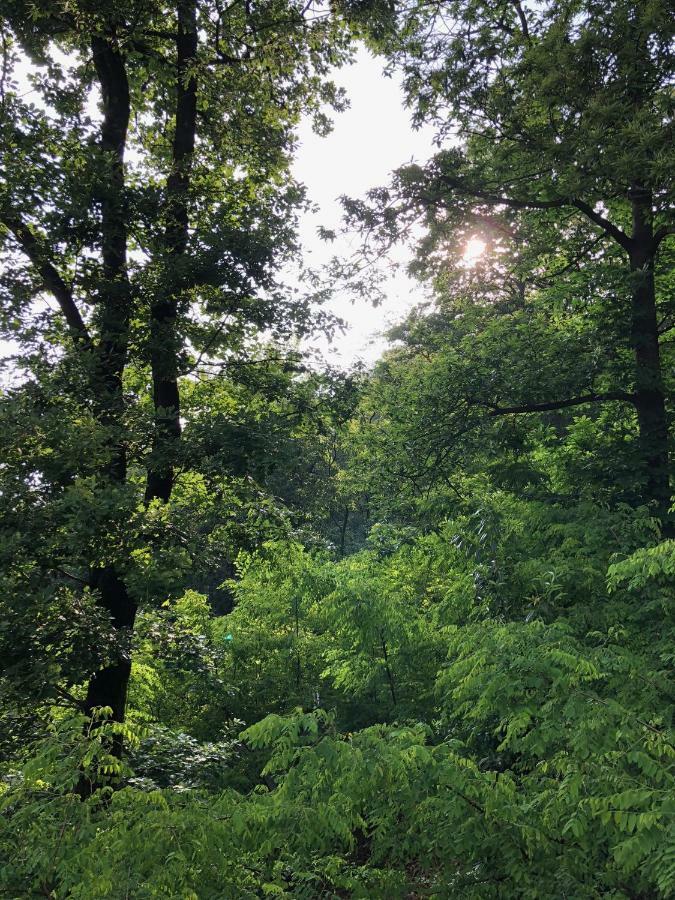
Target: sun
<point>475,247</point>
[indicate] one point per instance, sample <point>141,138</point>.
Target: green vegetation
<point>273,631</point>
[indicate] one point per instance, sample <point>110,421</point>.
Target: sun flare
<point>475,247</point>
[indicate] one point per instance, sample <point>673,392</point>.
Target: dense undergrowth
<point>499,728</point>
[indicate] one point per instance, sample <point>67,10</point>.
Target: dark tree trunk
<point>649,388</point>
<point>164,349</point>
<point>113,293</point>
<point>108,686</point>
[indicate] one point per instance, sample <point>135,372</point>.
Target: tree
<point>146,192</point>
<point>560,116</point>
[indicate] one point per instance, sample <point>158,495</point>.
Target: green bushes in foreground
<point>546,770</point>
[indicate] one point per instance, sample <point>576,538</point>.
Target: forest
<point>272,627</point>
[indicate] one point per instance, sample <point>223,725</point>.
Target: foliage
<point>399,633</point>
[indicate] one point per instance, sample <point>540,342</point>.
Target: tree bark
<point>114,292</point>
<point>108,686</point>
<point>650,400</point>
<point>164,342</point>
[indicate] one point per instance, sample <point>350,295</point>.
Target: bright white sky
<point>369,140</point>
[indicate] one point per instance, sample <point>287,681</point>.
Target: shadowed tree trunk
<point>108,686</point>
<point>164,340</point>
<point>649,389</point>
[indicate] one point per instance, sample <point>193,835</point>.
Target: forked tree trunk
<point>108,687</point>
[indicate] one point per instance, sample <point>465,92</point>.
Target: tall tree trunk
<point>108,686</point>
<point>649,388</point>
<point>164,341</point>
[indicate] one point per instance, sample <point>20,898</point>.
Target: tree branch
<point>497,199</point>
<point>514,203</point>
<point>522,17</point>
<point>660,234</point>
<point>621,396</point>
<point>78,704</point>
<point>52,280</point>
<point>608,227</point>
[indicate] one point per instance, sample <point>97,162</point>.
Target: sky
<point>369,140</point>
